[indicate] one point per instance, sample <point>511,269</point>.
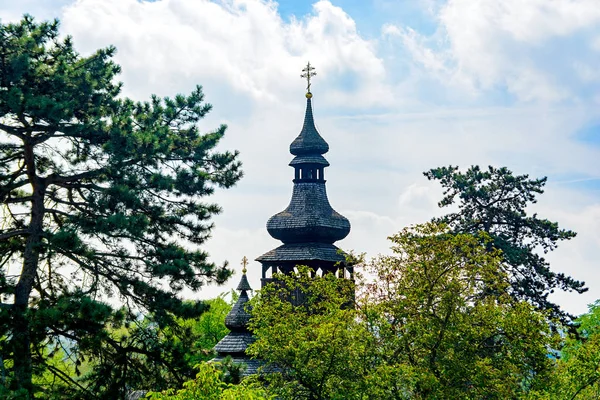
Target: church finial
<point>308,73</point>
<point>244,284</point>
<point>244,263</point>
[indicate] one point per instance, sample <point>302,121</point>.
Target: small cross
<point>308,73</point>
<point>244,263</point>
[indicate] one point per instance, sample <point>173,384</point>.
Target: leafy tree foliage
<point>420,330</point>
<point>210,384</point>
<point>316,349</point>
<point>204,332</point>
<point>184,343</point>
<point>495,201</point>
<point>101,197</point>
<point>577,372</point>
<point>438,337</point>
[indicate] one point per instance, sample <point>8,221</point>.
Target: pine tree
<point>495,201</point>
<point>101,197</point>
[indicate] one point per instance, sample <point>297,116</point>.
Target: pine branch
<point>18,232</point>
<point>19,132</point>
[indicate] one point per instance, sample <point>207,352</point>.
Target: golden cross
<point>244,263</point>
<point>308,73</point>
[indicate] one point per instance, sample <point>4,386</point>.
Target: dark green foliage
<point>203,333</point>
<point>495,201</point>
<point>100,198</point>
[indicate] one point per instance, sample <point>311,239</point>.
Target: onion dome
<point>309,216</point>
<point>238,317</point>
<point>309,226</point>
<point>309,141</point>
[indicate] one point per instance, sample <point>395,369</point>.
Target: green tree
<point>101,197</point>
<point>577,372</point>
<point>316,348</point>
<point>210,385</point>
<point>495,201</point>
<point>438,337</point>
<point>197,336</point>
<point>206,331</point>
<point>419,330</point>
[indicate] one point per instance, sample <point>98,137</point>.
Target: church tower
<point>239,337</point>
<point>309,226</point>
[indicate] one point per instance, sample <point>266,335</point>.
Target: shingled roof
<point>309,141</point>
<point>309,159</point>
<point>309,226</point>
<point>309,217</point>
<point>235,343</point>
<point>303,252</point>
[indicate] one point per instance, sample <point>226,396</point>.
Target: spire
<point>238,317</point>
<point>309,142</point>
<point>309,226</point>
<point>244,285</point>
<point>237,341</point>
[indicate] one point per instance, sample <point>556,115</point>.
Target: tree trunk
<point>21,335</point>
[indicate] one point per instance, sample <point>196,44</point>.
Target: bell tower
<point>309,226</point>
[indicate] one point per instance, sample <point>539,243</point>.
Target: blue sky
<point>402,86</point>
<point>370,15</point>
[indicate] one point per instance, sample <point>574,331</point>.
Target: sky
<point>402,86</point>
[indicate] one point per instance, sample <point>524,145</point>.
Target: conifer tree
<point>495,201</point>
<point>101,197</point>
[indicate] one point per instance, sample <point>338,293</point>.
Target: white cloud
<point>421,54</point>
<point>390,30</point>
<point>249,60</point>
<point>532,21</point>
<point>418,196</point>
<point>523,46</point>
<point>241,43</point>
<point>575,257</point>
<point>587,73</point>
<point>595,45</point>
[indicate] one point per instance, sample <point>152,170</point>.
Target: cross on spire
<point>308,73</point>
<point>244,263</point>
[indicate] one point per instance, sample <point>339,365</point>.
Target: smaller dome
<point>316,159</point>
<point>238,317</point>
<point>309,141</point>
<point>235,343</point>
<point>244,284</point>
